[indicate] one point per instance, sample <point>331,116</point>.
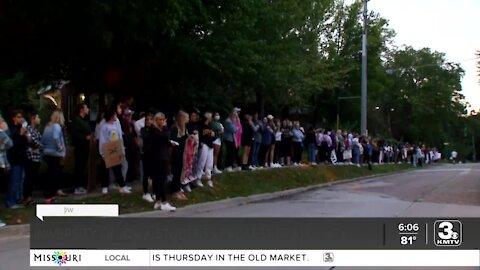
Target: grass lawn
<point>227,185</point>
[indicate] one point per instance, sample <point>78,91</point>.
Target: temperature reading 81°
<point>408,240</point>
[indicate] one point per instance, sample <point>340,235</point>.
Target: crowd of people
<point>173,158</point>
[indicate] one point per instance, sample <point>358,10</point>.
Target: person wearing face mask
<point>218,128</point>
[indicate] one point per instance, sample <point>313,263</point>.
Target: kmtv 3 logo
<point>448,233</point>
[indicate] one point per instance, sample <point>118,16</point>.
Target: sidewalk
<point>208,199</point>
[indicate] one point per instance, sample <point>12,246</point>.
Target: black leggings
<point>117,171</point>
<point>297,152</point>
<point>54,175</point>
<point>262,158</point>
<point>159,180</point>
<point>81,153</point>
<point>147,173</point>
<point>31,175</point>
<point>232,153</point>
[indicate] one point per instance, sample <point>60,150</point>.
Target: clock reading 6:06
<point>408,227</point>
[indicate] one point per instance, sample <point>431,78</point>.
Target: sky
<point>448,26</point>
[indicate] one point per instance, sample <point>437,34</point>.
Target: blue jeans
<point>356,157</point>
<point>255,152</point>
<point>312,152</point>
<point>14,184</point>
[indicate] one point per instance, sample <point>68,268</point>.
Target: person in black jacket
<point>159,156</point>
<point>247,139</point>
<point>17,156</point>
<point>205,152</point>
<point>81,136</point>
<point>147,164</point>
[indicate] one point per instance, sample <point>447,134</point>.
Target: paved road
<point>446,191</point>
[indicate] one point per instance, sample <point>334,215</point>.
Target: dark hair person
<point>34,151</point>
<point>17,156</point>
<point>81,136</point>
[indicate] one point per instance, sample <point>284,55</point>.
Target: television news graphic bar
<point>257,258</point>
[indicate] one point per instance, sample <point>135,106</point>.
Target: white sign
<point>77,210</point>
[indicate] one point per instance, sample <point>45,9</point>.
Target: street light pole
<point>363,119</point>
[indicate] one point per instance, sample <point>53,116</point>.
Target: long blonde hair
<point>57,118</point>
<point>182,130</point>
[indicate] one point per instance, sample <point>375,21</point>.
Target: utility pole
<point>363,119</point>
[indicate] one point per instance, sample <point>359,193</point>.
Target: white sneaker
<point>314,164</point>
<point>125,190</point>
<point>210,183</point>
<point>164,207</point>
<point>237,169</point>
<point>80,191</point>
<point>187,188</point>
<point>154,197</point>
<point>358,165</point>
<point>251,168</point>
<point>148,197</point>
<point>216,171</point>
<point>104,190</point>
<point>128,188</point>
<point>229,169</point>
<point>198,183</point>
<point>2,224</point>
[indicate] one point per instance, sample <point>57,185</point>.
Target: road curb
<point>237,201</point>
<point>22,230</point>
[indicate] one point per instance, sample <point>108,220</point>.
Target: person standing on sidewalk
<point>267,133</point>
<point>81,136</point>
<point>34,151</point>
<point>229,137</point>
<point>17,157</point>
<point>297,143</point>
<point>205,156</point>
<point>54,150</point>
<point>217,127</point>
<point>311,143</point>
<point>147,163</point>
<point>238,138</point>
<point>160,138</point>
<point>5,144</point>
<point>257,140</point>
<point>111,131</point>
<point>247,140</point>
<point>178,134</point>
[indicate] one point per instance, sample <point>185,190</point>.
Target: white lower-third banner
<point>72,258</point>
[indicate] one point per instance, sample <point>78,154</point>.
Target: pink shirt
<point>238,134</point>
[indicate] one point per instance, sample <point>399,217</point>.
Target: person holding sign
<point>159,157</point>
<point>112,151</point>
